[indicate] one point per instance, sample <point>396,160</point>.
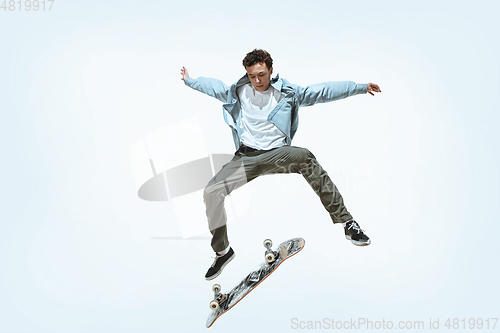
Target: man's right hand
<point>184,73</point>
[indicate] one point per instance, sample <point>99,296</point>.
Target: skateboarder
<point>262,113</point>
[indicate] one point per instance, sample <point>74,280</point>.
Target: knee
<point>208,192</point>
<point>304,155</point>
<point>211,192</point>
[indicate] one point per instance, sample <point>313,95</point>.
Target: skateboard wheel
<point>214,305</point>
<point>216,288</point>
<point>268,242</point>
<point>269,257</point>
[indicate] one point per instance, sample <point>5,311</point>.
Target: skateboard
<point>222,302</point>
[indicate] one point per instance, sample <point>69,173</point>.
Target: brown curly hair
<point>258,56</point>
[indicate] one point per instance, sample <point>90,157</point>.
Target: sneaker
<point>219,263</point>
<point>355,234</point>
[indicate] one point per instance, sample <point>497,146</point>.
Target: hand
<point>184,73</point>
<point>373,87</point>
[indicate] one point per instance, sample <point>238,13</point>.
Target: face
<point>260,76</point>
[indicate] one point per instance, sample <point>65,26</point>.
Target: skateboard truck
<point>219,298</point>
<point>269,255</point>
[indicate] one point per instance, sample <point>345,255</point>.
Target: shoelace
<point>217,256</point>
<point>354,225</point>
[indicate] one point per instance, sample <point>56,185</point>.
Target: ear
<point>271,71</point>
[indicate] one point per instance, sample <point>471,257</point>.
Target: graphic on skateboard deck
<point>222,302</point>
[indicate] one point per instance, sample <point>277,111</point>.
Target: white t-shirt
<point>255,130</point>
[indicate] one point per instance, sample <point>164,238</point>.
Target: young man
<point>263,116</point>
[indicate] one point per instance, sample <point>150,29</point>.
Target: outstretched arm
<point>211,87</point>
<point>332,91</point>
<point>328,92</point>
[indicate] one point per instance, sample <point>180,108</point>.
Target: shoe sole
<point>358,243</point>
<point>221,268</point>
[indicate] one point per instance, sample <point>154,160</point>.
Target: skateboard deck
<point>226,301</point>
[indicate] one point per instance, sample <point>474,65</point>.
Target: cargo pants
<point>247,164</point>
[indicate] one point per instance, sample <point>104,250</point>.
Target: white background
<point>418,164</point>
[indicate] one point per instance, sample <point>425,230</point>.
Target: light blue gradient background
<point>418,165</point>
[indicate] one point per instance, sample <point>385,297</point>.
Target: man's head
<point>259,67</point>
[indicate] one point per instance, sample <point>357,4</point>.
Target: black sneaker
<point>219,263</point>
<point>355,234</point>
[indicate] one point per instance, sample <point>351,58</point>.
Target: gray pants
<point>245,167</point>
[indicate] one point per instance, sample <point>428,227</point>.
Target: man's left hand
<point>372,87</point>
